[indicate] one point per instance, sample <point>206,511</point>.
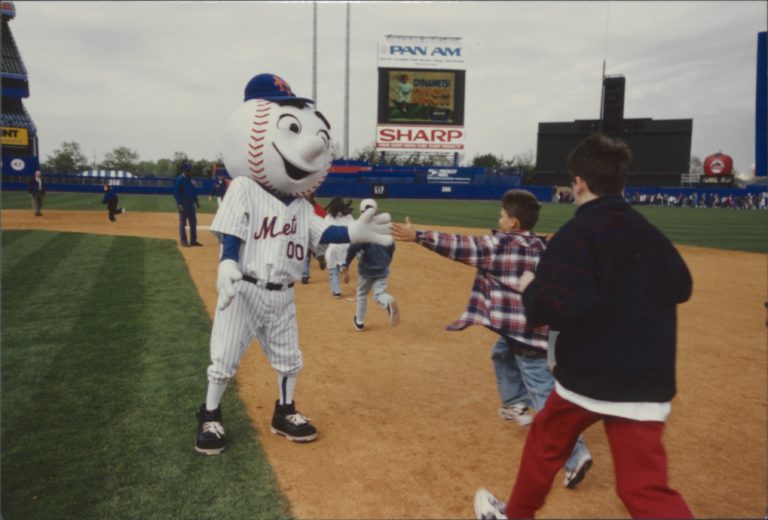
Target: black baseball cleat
<point>210,431</point>
<point>286,421</point>
<point>195,243</point>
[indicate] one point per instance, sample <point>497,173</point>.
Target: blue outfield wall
<point>352,186</point>
<point>426,191</point>
<point>349,190</point>
<point>75,183</point>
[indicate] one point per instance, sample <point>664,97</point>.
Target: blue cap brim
<point>283,98</point>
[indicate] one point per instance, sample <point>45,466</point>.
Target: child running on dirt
<point>520,354</point>
<point>339,214</point>
<point>372,274</point>
<point>111,199</point>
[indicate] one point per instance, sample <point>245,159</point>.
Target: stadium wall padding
<point>361,190</point>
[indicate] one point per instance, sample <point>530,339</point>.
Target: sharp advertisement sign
<point>421,95</point>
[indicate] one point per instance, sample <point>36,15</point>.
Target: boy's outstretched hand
<point>404,232</point>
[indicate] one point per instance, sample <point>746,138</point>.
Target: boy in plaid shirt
<point>520,355</point>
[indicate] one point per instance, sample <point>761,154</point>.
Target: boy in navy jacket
<point>610,282</point>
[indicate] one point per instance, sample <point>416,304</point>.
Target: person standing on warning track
<point>185,193</point>
<point>36,188</point>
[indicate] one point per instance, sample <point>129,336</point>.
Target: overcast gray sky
<point>161,77</point>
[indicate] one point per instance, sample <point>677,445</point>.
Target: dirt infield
<point>407,415</point>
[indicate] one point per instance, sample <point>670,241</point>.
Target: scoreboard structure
<point>661,149</point>
<point>421,92</point>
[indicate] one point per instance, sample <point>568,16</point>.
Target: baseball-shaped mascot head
<point>278,139</point>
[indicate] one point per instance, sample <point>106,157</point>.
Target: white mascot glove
<point>371,229</point>
<point>225,282</point>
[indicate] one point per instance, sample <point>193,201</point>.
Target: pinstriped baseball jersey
<point>276,236</point>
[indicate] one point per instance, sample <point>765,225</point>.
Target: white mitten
<point>225,282</point>
<point>371,229</point>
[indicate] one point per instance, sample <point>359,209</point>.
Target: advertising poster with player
<point>421,96</point>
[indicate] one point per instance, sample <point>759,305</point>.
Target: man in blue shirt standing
<point>186,202</point>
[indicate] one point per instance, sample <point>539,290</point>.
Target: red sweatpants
<point>639,461</point>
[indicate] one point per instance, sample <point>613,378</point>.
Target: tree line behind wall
<point>69,158</point>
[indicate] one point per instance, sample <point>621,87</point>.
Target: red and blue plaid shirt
<point>500,259</point>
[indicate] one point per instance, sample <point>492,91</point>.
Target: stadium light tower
<point>314,52</point>
<point>346,93</point>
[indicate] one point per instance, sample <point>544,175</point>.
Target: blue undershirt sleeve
<point>335,235</point>
<point>231,247</point>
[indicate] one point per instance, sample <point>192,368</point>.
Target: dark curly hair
<point>602,162</point>
<point>338,208</point>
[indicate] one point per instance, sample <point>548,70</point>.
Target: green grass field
<point>706,227</point>
<point>104,352</point>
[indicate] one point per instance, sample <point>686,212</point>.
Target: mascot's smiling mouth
<point>293,172</point>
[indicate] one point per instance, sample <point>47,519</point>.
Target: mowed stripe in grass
<point>61,200</point>
<point>105,346</point>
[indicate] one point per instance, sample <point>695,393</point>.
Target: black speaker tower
<point>612,114</point>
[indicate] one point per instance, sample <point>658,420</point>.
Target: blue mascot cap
<point>186,167</point>
<point>271,88</point>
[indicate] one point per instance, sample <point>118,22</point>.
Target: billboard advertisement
<point>420,52</point>
<point>421,94</point>
<point>14,136</point>
<point>417,96</point>
<point>405,138</point>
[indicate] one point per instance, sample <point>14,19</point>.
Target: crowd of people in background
<point>700,200</point>
<point>691,200</point>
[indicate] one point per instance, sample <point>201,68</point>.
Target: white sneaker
<point>359,327</point>
<point>488,507</point>
<point>573,478</point>
<point>122,210</point>
<point>394,313</point>
<point>517,412</point>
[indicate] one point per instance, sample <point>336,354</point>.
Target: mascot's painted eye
<point>325,137</point>
<point>289,122</point>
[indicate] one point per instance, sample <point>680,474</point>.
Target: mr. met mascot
<point>278,150</point>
